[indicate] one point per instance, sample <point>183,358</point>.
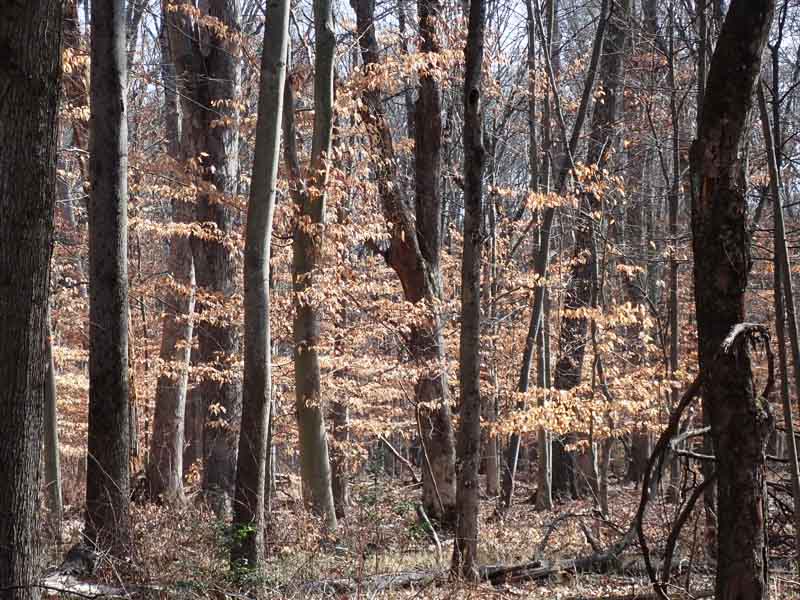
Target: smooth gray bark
<point>251,469</point>
<point>310,197</point>
<point>165,469</point>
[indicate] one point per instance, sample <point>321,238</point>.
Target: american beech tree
<point>309,194</point>
<point>251,467</point>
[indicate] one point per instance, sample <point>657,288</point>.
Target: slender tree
<point>465,547</point>
<point>251,468</point>
<point>310,199</point>
<point>52,458</point>
<point>107,465</point>
<point>30,36</point>
<point>738,416</point>
<point>570,145</point>
<point>165,469</point>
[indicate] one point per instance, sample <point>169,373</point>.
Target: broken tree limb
<point>403,460</point>
<point>430,529</point>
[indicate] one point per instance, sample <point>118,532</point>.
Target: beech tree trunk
<point>465,545</point>
<point>739,418</point>
<point>414,250</point>
<point>107,464</point>
<point>30,35</point>
<point>207,68</point>
<point>251,470</point>
<point>165,469</point>
<point>310,199</point>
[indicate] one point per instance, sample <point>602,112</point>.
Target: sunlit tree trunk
<point>52,459</point>
<point>251,470</point>
<point>30,36</point>
<point>165,469</point>
<point>310,199</point>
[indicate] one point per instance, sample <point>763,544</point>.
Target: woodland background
<point>492,293</point>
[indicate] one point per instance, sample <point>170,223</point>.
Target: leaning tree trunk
<point>740,420</point>
<point>251,469</point>
<point>30,35</point>
<point>207,68</point>
<point>107,465</point>
<point>165,469</point>
<point>465,546</point>
<point>785,316</point>
<point>414,251</point>
<point>310,199</point>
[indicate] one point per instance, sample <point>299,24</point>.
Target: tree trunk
<point>30,35</point>
<point>207,67</point>
<point>165,469</point>
<point>581,293</point>
<point>194,416</point>
<point>739,417</point>
<point>544,474</point>
<point>784,307</point>
<point>414,250</point>
<point>107,465</point>
<point>465,545</point>
<point>543,254</point>
<point>339,469</point>
<point>251,470</point>
<point>52,459</point>
<point>310,199</point>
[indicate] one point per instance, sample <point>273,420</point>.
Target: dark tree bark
<point>739,418</point>
<point>415,245</point>
<point>465,546</point>
<point>251,469</point>
<point>30,72</point>
<point>207,67</point>
<point>107,464</point>
<point>582,291</point>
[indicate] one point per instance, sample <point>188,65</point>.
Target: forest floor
<point>183,552</point>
